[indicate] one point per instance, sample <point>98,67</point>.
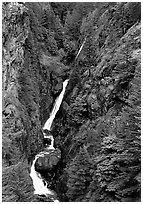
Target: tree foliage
<point>79,176</point>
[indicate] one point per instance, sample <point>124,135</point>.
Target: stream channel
<point>40,185</point>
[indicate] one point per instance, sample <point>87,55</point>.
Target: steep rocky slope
<point>97,127</point>
<point>31,81</point>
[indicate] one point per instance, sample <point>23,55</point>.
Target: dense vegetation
<point>97,127</point>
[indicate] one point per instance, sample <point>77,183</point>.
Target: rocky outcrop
<point>48,160</point>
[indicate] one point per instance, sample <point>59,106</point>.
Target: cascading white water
<point>56,107</point>
<point>80,49</point>
<point>40,185</point>
<point>38,181</point>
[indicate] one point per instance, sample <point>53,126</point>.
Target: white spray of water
<point>38,181</point>
<point>40,185</point>
<point>56,107</point>
<point>80,49</point>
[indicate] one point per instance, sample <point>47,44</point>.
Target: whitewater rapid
<point>38,182</point>
<point>40,185</point>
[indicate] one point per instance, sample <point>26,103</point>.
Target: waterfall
<point>56,107</point>
<point>40,185</point>
<point>80,49</point>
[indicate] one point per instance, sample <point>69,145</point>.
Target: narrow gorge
<point>71,101</point>
<point>40,184</point>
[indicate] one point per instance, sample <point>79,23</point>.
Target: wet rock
<point>48,161</point>
<point>47,132</point>
<point>46,198</point>
<point>57,88</point>
<point>65,106</point>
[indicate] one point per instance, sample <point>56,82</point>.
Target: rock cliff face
<point>31,80</point>
<point>97,127</point>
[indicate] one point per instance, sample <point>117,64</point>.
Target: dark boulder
<point>47,132</point>
<point>47,142</point>
<point>48,161</point>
